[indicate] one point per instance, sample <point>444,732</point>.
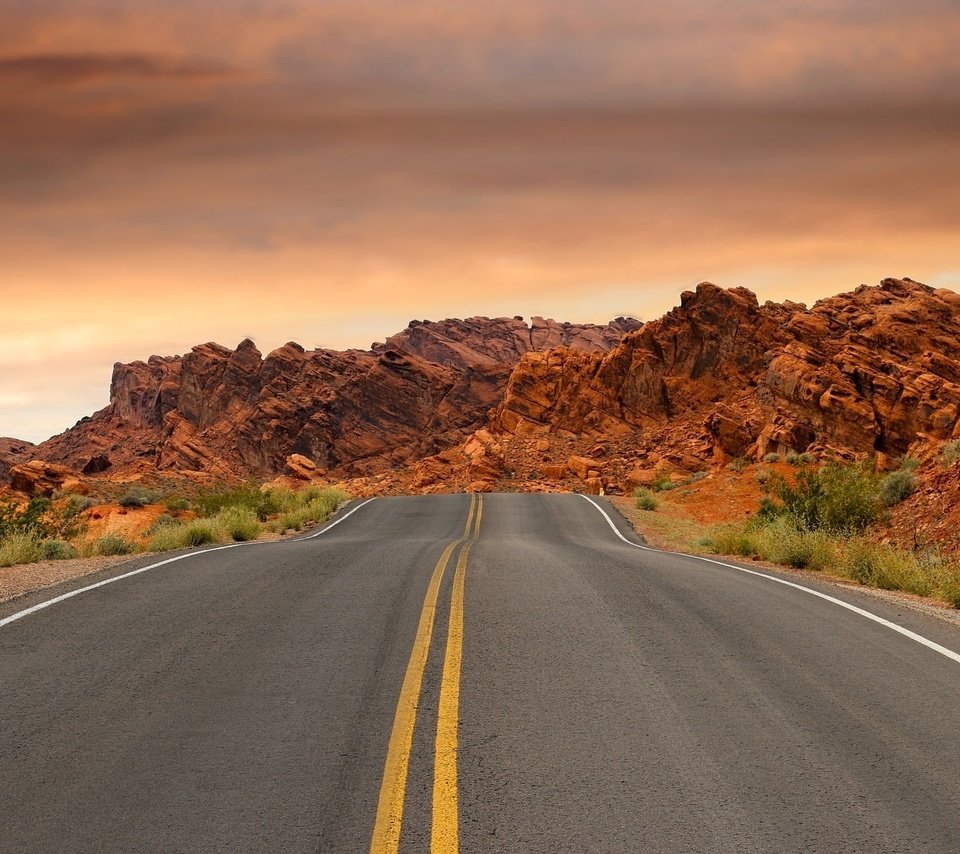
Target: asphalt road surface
<point>479,674</point>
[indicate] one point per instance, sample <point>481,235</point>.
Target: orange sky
<point>175,172</point>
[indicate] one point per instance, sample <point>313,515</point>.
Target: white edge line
<point>949,653</point>
<point>19,615</point>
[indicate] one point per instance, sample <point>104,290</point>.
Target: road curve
<point>457,673</point>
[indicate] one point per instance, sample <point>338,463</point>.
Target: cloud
<point>65,68</point>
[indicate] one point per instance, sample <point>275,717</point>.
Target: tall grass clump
<point>167,538</point>
<point>950,452</point>
<point>644,500</point>
<point>202,532</point>
<point>57,550</point>
<point>897,486</point>
<point>888,568</point>
<point>239,523</point>
<point>733,540</point>
<point>19,547</point>
<point>306,507</point>
<point>781,541</point>
<point>114,544</point>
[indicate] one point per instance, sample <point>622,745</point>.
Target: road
<point>479,674</point>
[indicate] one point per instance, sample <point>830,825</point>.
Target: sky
<point>326,170</point>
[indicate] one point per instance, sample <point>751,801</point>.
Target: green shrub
<point>662,483</point>
<point>948,588</point>
<point>239,523</point>
<point>201,532</point>
<point>897,486</point>
<point>162,521</point>
<point>168,538</point>
<point>114,544</point>
<point>732,540</point>
<point>839,498</point>
<point>133,500</point>
<point>19,547</point>
<point>177,504</point>
<point>644,499</point>
<point>885,567</point>
<point>780,541</point>
<point>771,458</point>
<point>247,495</point>
<point>737,464</point>
<point>763,475</point>
<point>950,452</point>
<point>29,519</point>
<point>57,550</point>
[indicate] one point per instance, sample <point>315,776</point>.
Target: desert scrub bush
<point>897,486</point>
<point>27,519</point>
<point>780,541</point>
<point>737,464</point>
<point>247,495</point>
<point>307,507</point>
<point>177,504</point>
<point>763,474</point>
<point>168,538</point>
<point>948,586</point>
<point>735,539</point>
<point>839,498</point>
<point>644,500</point>
<point>57,550</point>
<point>19,547</point>
<point>662,483</point>
<point>950,452</point>
<point>134,499</point>
<point>885,567</point>
<point>162,521</point>
<point>771,458</point>
<point>239,523</point>
<point>114,544</point>
<point>201,532</point>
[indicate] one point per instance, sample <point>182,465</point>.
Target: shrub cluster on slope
<point>821,521</point>
<point>52,530</point>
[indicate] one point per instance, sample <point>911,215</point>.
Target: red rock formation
<point>13,452</point>
<point>226,411</point>
<point>41,478</point>
<point>875,370</point>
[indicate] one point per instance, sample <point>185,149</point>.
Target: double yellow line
<point>445,827</point>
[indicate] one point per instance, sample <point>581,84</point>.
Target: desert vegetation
<point>826,519</point>
<point>56,529</point>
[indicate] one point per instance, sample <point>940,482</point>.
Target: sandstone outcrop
<point>875,370</point>
<point>39,478</point>
<point>13,452</point>
<point>237,413</point>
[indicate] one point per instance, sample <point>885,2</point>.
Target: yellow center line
<point>445,833</point>
<point>386,828</point>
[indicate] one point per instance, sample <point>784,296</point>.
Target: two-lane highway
<point>479,674</point>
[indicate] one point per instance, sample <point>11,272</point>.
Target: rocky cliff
<point>236,412</point>
<point>500,403</point>
<point>876,370</point>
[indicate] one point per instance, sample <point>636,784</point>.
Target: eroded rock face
<point>40,478</point>
<point>877,369</point>
<point>357,412</point>
<point>13,452</point>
